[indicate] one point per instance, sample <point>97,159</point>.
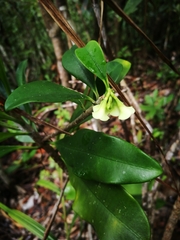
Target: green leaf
<point>92,57</point>
<point>69,191</point>
<point>7,149</point>
<point>49,185</point>
<point>9,125</point>
<point>131,6</point>
<point>6,135</point>
<point>5,116</point>
<point>71,63</point>
<point>113,212</point>
<point>134,189</point>
<point>117,69</point>
<point>21,80</point>
<point>27,222</point>
<point>24,138</point>
<point>103,158</point>
<point>42,91</point>
<point>3,78</point>
<point>20,73</point>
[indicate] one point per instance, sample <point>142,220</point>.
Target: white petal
<point>99,112</point>
<point>126,112</point>
<point>115,111</point>
<point>102,117</point>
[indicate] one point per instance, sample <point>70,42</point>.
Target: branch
<point>61,21</point>
<point>121,13</point>
<point>55,211</point>
<point>79,119</point>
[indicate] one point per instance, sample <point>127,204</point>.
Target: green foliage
<point>42,91</point>
<point>157,133</point>
<point>92,57</point>
<point>154,105</point>
<point>97,163</point>
<point>125,164</point>
<point>23,36</point>
<point>46,178</point>
<point>77,69</point>
<point>62,115</point>
<point>22,162</point>
<point>119,215</point>
<point>3,80</point>
<point>124,52</point>
<point>131,6</point>
<point>82,18</point>
<point>27,222</point>
<point>69,190</point>
<point>165,74</point>
<point>6,135</point>
<point>117,69</point>
<point>7,149</point>
<point>20,73</point>
<point>10,119</point>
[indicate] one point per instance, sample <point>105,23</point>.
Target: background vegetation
<point>154,87</point>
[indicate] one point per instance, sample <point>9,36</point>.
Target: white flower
<point>100,111</point>
<point>111,105</point>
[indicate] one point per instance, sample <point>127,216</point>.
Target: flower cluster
<point>111,105</point>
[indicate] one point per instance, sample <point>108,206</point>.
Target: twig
<point>102,30</point>
<point>35,120</point>
<point>79,119</point>
<point>72,124</point>
<point>101,21</point>
<point>55,210</point>
<point>133,102</point>
<point>121,13</point>
<point>39,121</point>
<point>61,21</point>
<point>174,217</point>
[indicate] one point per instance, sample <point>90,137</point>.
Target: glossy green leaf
<point>3,78</point>
<point>117,69</point>
<point>97,156</point>
<point>7,149</point>
<point>20,73</point>
<point>27,222</point>
<point>92,57</point>
<point>134,189</point>
<point>113,212</point>
<point>42,91</point>
<point>71,63</point>
<point>6,135</point>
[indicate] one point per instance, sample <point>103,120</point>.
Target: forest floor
<point>25,195</point>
